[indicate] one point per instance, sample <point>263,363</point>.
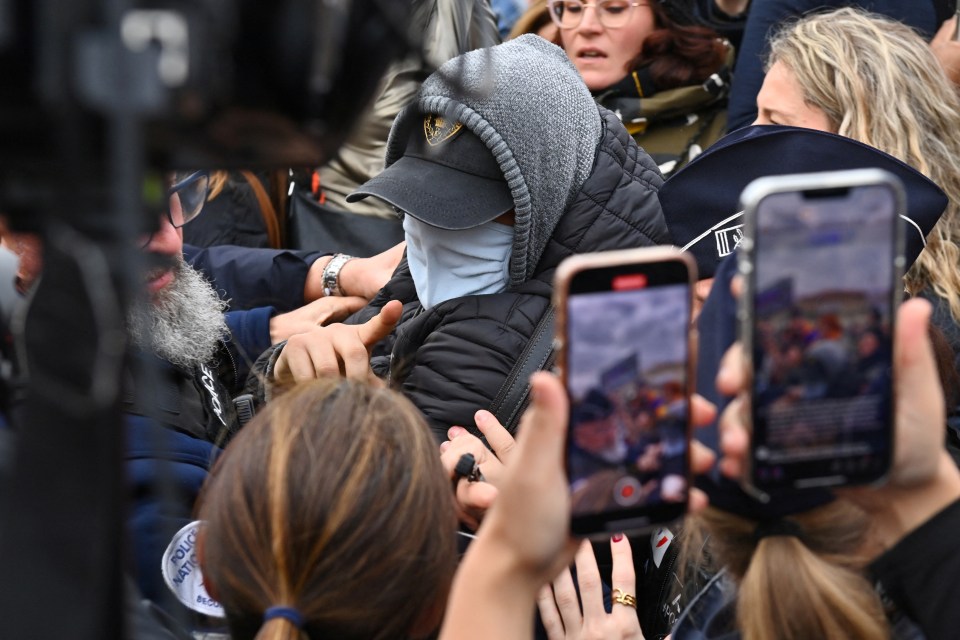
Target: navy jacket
<point>764,18</point>
<point>175,420</point>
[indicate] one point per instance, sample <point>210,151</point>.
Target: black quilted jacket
<point>452,359</point>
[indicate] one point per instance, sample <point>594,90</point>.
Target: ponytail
<point>791,589</point>
<point>801,577</point>
<point>279,629</point>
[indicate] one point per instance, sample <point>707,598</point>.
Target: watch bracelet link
<point>331,274</point>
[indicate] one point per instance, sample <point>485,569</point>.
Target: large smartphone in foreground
<point>624,338</point>
<point>822,260</point>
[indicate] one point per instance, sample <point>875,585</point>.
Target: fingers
<point>461,442</point>
<point>913,353</point>
<point>532,514</point>
<point>351,355</point>
<point>549,615</point>
<point>281,370</point>
<point>497,437</point>
<point>304,358</point>
<point>734,441</point>
<point>452,433</point>
<point>318,313</point>
<point>702,458</point>
<point>698,501</point>
<point>324,351</point>
<point>623,578</point>
<point>920,412</point>
<point>560,608</point>
<point>591,588</point>
<point>945,32</point>
<point>731,381</point>
<point>544,425</point>
<point>337,349</point>
<point>730,377</point>
<point>565,596</point>
<point>474,499</point>
<point>736,286</point>
<point>702,411</point>
<point>341,309</point>
<point>379,327</point>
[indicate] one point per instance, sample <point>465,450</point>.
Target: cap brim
<point>707,191</point>
<point>438,195</point>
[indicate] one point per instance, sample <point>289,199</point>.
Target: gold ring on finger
<point>621,597</point>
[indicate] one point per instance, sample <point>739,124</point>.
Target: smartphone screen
<point>824,285</point>
<point>626,369</point>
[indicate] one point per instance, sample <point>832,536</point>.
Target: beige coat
<point>450,27</point>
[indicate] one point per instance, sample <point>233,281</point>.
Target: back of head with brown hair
<point>797,587</point>
<point>332,502</point>
<point>534,20</point>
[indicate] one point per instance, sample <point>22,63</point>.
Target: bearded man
<point>190,357</point>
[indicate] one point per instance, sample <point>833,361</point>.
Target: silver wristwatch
<point>331,274</point>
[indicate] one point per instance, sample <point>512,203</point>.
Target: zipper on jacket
<point>660,613</point>
<point>233,365</point>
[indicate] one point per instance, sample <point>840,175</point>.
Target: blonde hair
<point>796,587</point>
<point>332,501</point>
<point>879,83</point>
<point>218,180</point>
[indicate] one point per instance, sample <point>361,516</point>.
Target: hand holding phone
<point>822,259</point>
<point>623,327</point>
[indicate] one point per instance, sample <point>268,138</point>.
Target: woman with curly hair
<point>666,80</point>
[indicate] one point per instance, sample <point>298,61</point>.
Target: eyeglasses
<point>613,14</point>
<point>185,195</point>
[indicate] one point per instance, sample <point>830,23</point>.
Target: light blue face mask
<point>451,264</point>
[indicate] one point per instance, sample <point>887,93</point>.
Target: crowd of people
<point>333,446</point>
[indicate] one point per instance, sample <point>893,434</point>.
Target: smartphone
<point>822,261</point>
<point>956,28</point>
<point>623,336</point>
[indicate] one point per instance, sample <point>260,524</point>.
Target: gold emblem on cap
<point>438,129</point>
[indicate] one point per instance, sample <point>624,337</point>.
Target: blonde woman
<point>875,80</point>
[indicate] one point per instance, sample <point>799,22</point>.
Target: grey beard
<point>185,322</point>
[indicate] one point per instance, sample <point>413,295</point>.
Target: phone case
<point>750,200</point>
<point>603,523</point>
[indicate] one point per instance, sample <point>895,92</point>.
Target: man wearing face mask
<point>495,190</point>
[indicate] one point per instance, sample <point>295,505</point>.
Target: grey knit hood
<point>525,100</point>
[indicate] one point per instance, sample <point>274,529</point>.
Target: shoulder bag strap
<point>267,209</point>
<point>514,395</point>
